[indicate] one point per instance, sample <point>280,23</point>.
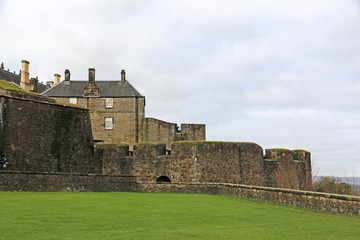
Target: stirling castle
<point>88,135</point>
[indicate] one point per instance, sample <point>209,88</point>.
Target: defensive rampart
<point>225,162</point>
<point>39,134</point>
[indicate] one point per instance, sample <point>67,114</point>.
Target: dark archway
<point>163,179</point>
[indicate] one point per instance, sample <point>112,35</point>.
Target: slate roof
<point>9,76</point>
<point>75,88</point>
<point>15,78</point>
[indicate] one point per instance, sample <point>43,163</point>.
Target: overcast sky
<point>280,73</point>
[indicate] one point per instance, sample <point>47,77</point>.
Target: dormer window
<point>109,103</point>
<point>73,100</point>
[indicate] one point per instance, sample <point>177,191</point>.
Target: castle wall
<point>65,182</point>
<point>38,134</point>
<point>192,132</point>
<point>225,162</point>
<point>155,130</point>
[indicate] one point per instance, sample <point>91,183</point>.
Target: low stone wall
<point>62,182</point>
<point>65,182</point>
<point>311,200</point>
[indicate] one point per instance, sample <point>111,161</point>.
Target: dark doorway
<point>163,179</point>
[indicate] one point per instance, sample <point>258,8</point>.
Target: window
<point>109,123</point>
<point>109,102</point>
<point>73,100</point>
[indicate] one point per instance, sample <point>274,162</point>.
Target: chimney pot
<point>123,75</point>
<point>2,65</point>
<point>25,76</point>
<point>56,78</point>
<point>67,75</point>
<point>50,83</point>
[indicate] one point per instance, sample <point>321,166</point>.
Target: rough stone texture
<point>155,130</point>
<point>126,113</point>
<point>288,169</point>
<point>39,135</point>
<point>305,199</point>
<point>114,158</point>
<point>64,182</point>
<point>224,162</point>
<point>192,132</point>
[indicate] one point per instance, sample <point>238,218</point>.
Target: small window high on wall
<point>109,123</point>
<point>73,100</point>
<point>109,102</point>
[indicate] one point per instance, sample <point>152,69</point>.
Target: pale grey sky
<point>279,73</point>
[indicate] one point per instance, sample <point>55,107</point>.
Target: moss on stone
<point>111,144</point>
<point>279,149</point>
<point>179,142</point>
<point>12,87</point>
<point>149,143</point>
<point>300,150</point>
<point>68,104</point>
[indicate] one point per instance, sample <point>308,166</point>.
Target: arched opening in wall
<point>163,179</point>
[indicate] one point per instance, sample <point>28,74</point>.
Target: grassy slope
<point>162,216</point>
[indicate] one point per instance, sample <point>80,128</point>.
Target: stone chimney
<point>57,78</point>
<point>91,89</point>
<point>67,75</point>
<point>91,76</point>
<point>33,84</point>
<point>50,83</point>
<point>25,76</point>
<point>2,66</point>
<point>123,76</point>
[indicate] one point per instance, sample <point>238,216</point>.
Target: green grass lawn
<point>162,216</point>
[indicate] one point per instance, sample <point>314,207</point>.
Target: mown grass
<point>162,216</point>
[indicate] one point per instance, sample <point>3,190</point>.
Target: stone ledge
<point>282,190</point>
<point>69,174</point>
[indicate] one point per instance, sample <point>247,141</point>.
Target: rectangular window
<point>109,123</point>
<point>109,102</point>
<point>73,100</point>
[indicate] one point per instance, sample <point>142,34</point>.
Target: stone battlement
<point>227,162</point>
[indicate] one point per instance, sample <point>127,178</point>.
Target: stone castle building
<point>117,112</point>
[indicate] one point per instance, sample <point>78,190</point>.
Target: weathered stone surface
<point>224,162</point>
<point>64,182</point>
<point>40,135</point>
<point>126,113</point>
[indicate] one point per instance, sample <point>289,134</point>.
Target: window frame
<point>107,121</point>
<point>71,100</point>
<point>107,101</point>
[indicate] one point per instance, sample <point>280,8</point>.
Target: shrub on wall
<point>333,185</point>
